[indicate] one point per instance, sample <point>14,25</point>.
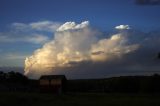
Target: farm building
<point>52,83</point>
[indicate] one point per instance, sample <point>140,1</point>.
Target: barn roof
<point>53,77</point>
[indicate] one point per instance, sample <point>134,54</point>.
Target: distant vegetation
<point>17,89</point>
<point>123,84</point>
<point>13,77</point>
<point>15,81</point>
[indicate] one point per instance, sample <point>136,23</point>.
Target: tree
<point>158,56</point>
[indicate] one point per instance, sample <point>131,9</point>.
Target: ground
<point>78,99</point>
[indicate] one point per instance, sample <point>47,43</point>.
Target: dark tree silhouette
<point>16,77</point>
<point>158,55</point>
<point>2,76</point>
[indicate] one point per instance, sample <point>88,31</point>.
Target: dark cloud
<point>147,2</point>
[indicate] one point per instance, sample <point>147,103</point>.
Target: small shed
<point>52,83</point>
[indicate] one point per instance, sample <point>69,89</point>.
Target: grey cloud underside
<point>141,62</point>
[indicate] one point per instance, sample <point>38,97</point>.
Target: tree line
<point>122,84</point>
<point>13,77</point>
<point>15,81</point>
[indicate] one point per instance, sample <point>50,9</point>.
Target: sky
<point>27,25</point>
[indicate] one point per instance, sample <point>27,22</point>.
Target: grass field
<point>79,99</point>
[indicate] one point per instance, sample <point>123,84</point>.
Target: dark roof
<point>53,77</point>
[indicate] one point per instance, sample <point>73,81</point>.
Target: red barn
<point>52,83</point>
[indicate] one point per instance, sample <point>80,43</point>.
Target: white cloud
<point>80,49</point>
<point>112,47</point>
<point>33,38</point>
<point>34,32</point>
<point>47,26</point>
<point>122,27</point>
<point>72,26</point>
<point>15,56</point>
<point>37,39</point>
<point>76,43</point>
<point>19,26</point>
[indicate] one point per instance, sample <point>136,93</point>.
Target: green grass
<point>79,99</point>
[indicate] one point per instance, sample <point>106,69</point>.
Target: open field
<point>79,99</point>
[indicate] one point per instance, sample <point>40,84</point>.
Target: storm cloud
<point>148,2</point>
<point>79,51</point>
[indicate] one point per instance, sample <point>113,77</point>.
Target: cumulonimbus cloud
<point>76,43</point>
